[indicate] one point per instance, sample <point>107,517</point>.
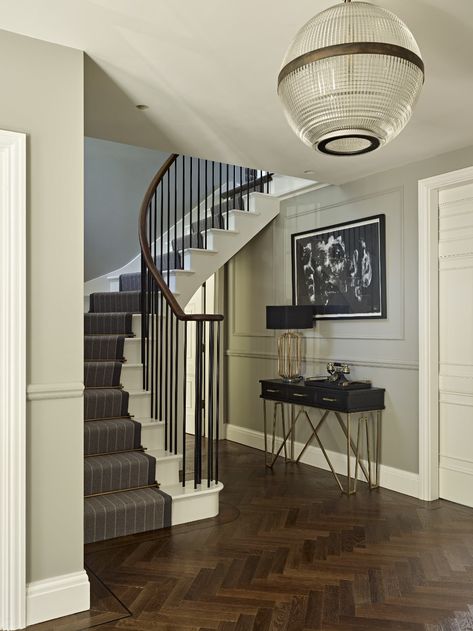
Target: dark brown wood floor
<point>289,552</point>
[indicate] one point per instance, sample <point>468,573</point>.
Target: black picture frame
<point>341,269</point>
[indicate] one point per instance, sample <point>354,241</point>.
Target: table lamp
<point>289,318</point>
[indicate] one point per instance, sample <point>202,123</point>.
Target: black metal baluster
<point>217,412</point>
<point>176,381</point>
<point>220,195</point>
<point>198,406</point>
<point>206,195</point>
<point>213,194</point>
<point>166,374</point>
<point>190,205</point>
<point>184,406</point>
<point>151,289</point>
<point>241,183</point>
<point>176,253</point>
<point>143,315</point>
<point>183,208</point>
<point>210,406</point>
<point>199,231</point>
<point>234,186</point>
<point>171,380</point>
<point>158,350</point>
<point>228,197</point>
<point>168,227</point>
<point>248,189</point>
<point>161,354</point>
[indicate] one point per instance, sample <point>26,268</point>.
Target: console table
<point>365,404</point>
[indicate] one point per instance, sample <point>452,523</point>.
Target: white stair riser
<point>140,405</point>
<point>237,219</point>
<point>197,258</point>
<point>152,435</point>
<point>132,377</point>
<point>132,350</point>
<point>167,470</point>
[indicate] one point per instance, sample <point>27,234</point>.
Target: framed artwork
<point>341,269</point>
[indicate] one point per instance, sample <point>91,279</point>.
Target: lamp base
<point>289,356</point>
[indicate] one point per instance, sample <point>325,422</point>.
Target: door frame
<point>429,190</point>
<point>12,380</point>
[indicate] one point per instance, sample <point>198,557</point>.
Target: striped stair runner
<point>121,494</point>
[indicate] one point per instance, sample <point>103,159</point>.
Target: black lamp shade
<point>290,317</point>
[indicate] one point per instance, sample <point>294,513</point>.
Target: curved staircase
<point>137,347</point>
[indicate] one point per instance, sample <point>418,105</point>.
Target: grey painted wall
<point>42,96</point>
<point>385,351</point>
<point>116,178</point>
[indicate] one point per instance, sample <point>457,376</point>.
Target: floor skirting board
<point>390,478</point>
<point>57,596</point>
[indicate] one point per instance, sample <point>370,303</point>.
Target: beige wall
<point>42,95</point>
<point>385,351</point>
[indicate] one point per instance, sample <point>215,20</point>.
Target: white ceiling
<point>208,68</point>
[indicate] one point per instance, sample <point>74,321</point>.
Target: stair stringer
<point>262,209</point>
<point>222,245</point>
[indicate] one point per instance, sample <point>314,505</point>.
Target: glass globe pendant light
<point>350,79</point>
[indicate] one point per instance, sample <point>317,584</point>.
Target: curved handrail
<point>148,257</point>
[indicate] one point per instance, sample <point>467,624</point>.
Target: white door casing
<point>429,353</point>
<point>12,380</point>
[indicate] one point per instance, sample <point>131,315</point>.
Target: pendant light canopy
<point>350,79</point>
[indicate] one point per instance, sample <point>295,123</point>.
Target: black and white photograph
<point>341,269</point>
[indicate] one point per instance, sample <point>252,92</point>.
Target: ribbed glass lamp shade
<point>350,79</point>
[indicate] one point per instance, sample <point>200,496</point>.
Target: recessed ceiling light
<point>142,107</point>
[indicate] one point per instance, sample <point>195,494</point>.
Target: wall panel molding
<point>47,391</point>
<point>394,365</point>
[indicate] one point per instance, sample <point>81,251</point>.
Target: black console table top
<point>337,399</point>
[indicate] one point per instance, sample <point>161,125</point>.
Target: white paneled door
<point>456,344</point>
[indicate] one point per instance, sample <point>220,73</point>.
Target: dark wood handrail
<point>148,257</point>
<point>248,185</point>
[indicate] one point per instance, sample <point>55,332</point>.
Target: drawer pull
<point>301,396</point>
<point>272,391</point>
<point>329,399</point>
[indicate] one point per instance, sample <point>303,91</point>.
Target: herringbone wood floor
<point>289,552</point>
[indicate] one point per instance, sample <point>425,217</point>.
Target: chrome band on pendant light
<point>350,79</point>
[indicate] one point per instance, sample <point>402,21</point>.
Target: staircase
<point>137,348</point>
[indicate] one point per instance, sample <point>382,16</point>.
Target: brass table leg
<point>293,433</point>
<point>350,442</point>
<point>376,440</point>
<point>265,434</point>
<point>277,404</point>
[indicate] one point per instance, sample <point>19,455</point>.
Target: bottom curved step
<point>126,513</point>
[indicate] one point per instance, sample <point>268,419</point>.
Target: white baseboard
<point>393,479</point>
<point>56,597</point>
